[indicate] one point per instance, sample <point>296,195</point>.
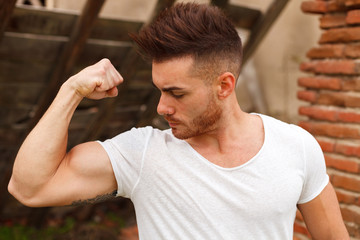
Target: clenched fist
<point>97,81</point>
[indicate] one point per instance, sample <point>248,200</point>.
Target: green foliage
<point>20,232</point>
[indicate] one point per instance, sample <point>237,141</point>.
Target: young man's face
<point>188,103</point>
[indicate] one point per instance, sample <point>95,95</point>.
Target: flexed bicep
<point>84,176</point>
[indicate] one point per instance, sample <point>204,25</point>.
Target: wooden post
<point>262,27</point>
<point>6,9</point>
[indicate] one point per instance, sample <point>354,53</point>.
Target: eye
<point>177,95</point>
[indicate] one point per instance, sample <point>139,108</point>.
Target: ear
<point>226,85</point>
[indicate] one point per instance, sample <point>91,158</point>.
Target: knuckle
<point>105,60</point>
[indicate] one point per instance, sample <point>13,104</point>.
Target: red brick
<point>331,114</point>
<point>309,96</point>
<point>349,67</point>
<point>351,215</point>
<point>326,145</point>
<point>347,182</point>
<point>348,197</point>
<point>331,98</point>
<point>299,216</point>
<point>301,228</point>
<point>351,84</point>
<point>321,6</point>
<point>326,51</point>
<point>352,50</point>
<point>320,82</point>
<point>338,35</point>
<point>352,100</point>
<point>296,238</point>
<point>331,129</point>
<point>353,17</point>
<point>333,20</point>
<point>314,7</point>
<point>343,164</point>
<point>352,3</point>
<point>348,148</point>
<point>338,99</point>
<point>318,113</point>
<point>353,230</point>
<point>351,117</point>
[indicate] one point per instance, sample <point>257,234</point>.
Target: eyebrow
<point>169,89</point>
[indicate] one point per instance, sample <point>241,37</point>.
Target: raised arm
<point>323,217</point>
<point>44,174</point>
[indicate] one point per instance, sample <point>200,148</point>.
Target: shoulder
<point>277,125</point>
<point>287,133</point>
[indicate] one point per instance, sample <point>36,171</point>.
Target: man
<point>219,173</point>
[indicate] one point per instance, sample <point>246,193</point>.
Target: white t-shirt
<point>178,194</point>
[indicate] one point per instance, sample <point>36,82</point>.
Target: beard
<point>201,124</point>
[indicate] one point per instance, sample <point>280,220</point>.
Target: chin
<point>185,134</point>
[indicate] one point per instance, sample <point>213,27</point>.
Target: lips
<point>172,123</point>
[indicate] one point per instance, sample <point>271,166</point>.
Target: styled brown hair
<point>197,30</point>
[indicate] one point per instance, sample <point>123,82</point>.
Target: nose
<point>164,106</point>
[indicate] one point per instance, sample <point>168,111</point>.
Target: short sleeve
<point>315,174</point>
<point>126,155</point>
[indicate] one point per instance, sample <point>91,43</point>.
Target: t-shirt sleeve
<point>315,176</point>
<point>126,152</point>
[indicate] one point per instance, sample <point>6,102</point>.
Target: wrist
<point>71,90</point>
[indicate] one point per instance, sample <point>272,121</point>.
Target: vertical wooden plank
<point>262,27</point>
<point>6,9</point>
<point>73,48</point>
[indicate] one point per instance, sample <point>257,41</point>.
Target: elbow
<point>21,196</point>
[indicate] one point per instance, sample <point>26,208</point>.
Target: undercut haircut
<point>197,30</point>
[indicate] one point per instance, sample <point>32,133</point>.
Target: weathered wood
<point>17,95</point>
<point>20,54</point>
<point>60,23</point>
<point>243,17</point>
<point>6,9</point>
<point>220,3</point>
<point>69,55</point>
<point>25,48</point>
<point>262,27</point>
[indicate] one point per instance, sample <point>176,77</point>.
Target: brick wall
<point>330,88</point>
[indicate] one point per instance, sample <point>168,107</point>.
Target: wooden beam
<point>6,9</point>
<point>41,21</point>
<point>220,3</point>
<point>262,27</point>
<point>243,17</point>
<point>81,32</point>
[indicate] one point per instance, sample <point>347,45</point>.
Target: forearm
<point>45,146</point>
